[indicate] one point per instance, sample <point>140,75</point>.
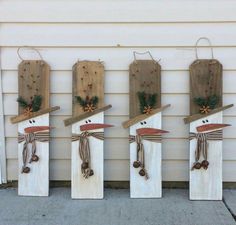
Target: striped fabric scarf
<point>202,144</point>
<point>31,138</point>
<point>140,147</point>
<point>84,149</point>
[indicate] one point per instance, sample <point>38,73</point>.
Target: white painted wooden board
<point>206,184</point>
<point>35,183</point>
<point>91,188</point>
<point>139,186</point>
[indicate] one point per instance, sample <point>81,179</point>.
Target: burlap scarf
<point>140,147</point>
<point>84,148</point>
<point>202,144</point>
<point>31,138</point>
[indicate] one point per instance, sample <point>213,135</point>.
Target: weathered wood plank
<point>144,75</point>
<point>88,77</point>
<point>33,79</point>
<point>205,81</point>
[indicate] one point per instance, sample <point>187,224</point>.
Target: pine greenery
<point>146,100</point>
<point>210,101</point>
<point>35,103</point>
<point>87,101</point>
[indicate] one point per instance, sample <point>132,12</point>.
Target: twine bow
<point>140,148</point>
<point>202,144</point>
<point>31,138</point>
<point>84,149</point>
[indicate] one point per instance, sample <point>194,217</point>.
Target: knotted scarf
<point>140,147</point>
<point>31,138</point>
<point>84,148</point>
<point>202,144</point>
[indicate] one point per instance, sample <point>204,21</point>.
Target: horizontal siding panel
<point>109,11</point>
<point>221,34</point>
<point>118,148</point>
<point>118,58</point>
<point>117,82</point>
<point>118,170</point>
<point>174,125</point>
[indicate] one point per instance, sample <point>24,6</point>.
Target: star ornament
<point>28,111</point>
<point>205,109</point>
<point>89,108</point>
<point>147,110</point>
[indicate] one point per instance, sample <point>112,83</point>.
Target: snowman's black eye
<point>86,121</point>
<point>203,121</point>
<point>207,121</point>
<point>141,123</point>
<point>30,121</point>
<point>33,121</point>
<point>89,121</point>
<point>145,122</point>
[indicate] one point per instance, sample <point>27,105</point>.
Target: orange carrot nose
<point>36,129</point>
<point>145,131</point>
<point>211,127</point>
<point>94,126</point>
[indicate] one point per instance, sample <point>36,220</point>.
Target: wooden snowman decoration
<point>145,129</point>
<point>87,157</point>
<point>33,127</point>
<point>206,129</point>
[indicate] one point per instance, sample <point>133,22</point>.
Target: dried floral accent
<point>205,109</point>
<point>147,110</point>
<point>206,104</point>
<point>147,102</point>
<point>88,104</point>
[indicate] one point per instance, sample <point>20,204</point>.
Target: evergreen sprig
<point>146,100</point>
<point>87,101</point>
<point>210,101</point>
<point>34,104</point>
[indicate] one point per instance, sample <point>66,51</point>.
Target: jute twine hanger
<point>196,46</point>
<point>28,47</point>
<point>144,53</point>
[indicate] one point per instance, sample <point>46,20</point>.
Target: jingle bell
<point>84,165</point>
<point>205,164</point>
<point>91,173</point>
<point>197,165</point>
<point>142,172</point>
<point>34,158</point>
<point>136,164</point>
<point>26,169</point>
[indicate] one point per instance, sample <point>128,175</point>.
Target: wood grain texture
<point>206,184</point>
<point>35,183</point>
<point>33,79</point>
<point>75,119</point>
<point>23,117</point>
<point>139,186</point>
<point>144,75</point>
<point>141,117</point>
<point>205,80</point>
<point>91,188</point>
<point>88,79</point>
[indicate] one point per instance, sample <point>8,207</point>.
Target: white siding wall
<point>65,31</point>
